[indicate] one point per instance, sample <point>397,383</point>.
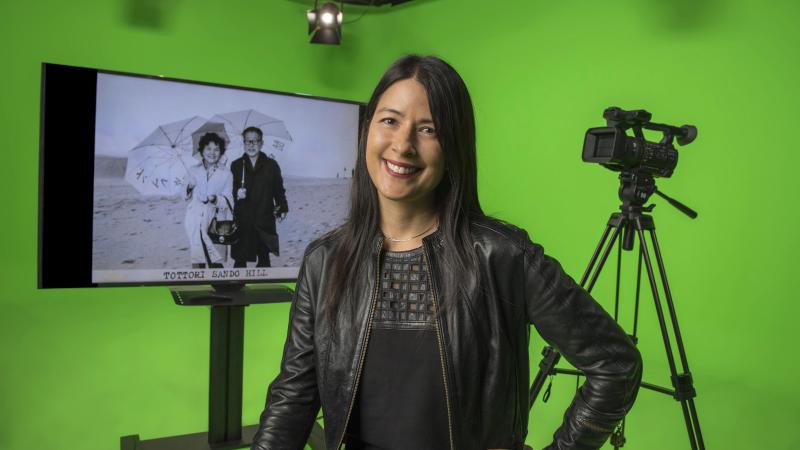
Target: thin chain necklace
<point>412,237</point>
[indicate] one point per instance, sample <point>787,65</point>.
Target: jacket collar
<point>434,240</point>
<point>377,243</point>
<point>260,161</point>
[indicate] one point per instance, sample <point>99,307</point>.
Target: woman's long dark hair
<point>456,196</point>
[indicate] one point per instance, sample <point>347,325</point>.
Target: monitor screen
<point>177,182</point>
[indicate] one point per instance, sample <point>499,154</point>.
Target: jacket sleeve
<point>278,189</point>
<point>236,175</point>
<point>293,397</point>
<point>568,318</point>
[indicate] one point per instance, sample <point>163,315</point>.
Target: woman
<point>410,323</point>
<point>208,193</point>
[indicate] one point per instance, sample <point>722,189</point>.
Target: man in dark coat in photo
<point>259,197</point>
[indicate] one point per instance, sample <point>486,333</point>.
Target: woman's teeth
<point>401,170</point>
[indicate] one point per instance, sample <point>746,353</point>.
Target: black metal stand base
<point>195,441</point>
<point>199,441</point>
<point>225,429</point>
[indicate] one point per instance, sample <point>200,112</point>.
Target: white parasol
<point>159,164</point>
<point>276,136</point>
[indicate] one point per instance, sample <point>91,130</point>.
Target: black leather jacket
<point>483,343</point>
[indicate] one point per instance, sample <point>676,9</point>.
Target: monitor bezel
<point>45,281</point>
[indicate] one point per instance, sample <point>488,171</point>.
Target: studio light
<point>325,24</point>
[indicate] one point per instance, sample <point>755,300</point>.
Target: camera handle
<point>680,206</point>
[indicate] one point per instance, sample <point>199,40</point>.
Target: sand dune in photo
<point>131,231</point>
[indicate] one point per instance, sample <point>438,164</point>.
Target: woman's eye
<point>428,130</point>
<point>388,121</point>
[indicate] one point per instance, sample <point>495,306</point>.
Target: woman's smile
<point>400,170</point>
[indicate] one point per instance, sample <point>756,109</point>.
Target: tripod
<point>635,190</point>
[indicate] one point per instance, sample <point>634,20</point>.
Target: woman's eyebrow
<point>394,111</point>
<point>391,110</point>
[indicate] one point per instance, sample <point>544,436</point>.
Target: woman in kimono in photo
<point>208,192</point>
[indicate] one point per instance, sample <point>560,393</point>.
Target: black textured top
<point>400,402</point>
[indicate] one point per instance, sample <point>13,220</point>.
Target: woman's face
<point>404,158</point>
<point>211,153</point>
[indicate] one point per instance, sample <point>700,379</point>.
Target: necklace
<point>412,237</point>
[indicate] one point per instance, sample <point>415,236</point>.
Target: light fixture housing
<point>325,24</point>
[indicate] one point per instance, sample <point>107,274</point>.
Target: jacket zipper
<point>366,341</point>
<point>441,346</point>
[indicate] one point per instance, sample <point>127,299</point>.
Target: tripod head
<point>635,190</point>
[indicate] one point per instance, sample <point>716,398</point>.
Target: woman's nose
<point>403,142</point>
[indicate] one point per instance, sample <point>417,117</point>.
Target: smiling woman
<point>208,193</point>
<point>410,323</point>
<point>405,162</point>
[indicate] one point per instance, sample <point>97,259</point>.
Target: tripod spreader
<point>546,367</point>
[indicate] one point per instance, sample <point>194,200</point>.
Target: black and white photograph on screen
<point>202,183</point>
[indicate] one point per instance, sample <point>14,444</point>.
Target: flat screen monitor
<point>143,178</point>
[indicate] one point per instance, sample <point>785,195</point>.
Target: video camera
<point>611,147</point>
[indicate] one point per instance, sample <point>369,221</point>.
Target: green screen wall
<point>80,368</point>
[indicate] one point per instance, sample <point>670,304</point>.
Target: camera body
<point>611,147</point>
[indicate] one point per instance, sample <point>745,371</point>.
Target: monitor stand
<point>225,429</point>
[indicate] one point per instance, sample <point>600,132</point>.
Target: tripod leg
<point>597,249</point>
<point>664,333</point>
<point>688,390</point>
<point>670,304</point>
<point>551,356</point>
<point>618,436</point>
<point>616,286</point>
<point>638,292</point>
<point>611,242</point>
<point>696,421</point>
